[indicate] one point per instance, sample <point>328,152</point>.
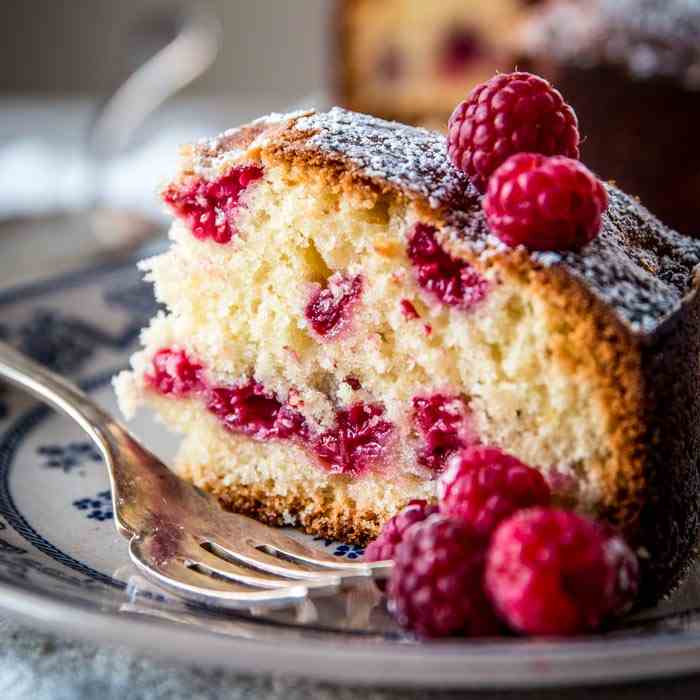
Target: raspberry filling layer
<point>453,282</point>
<point>209,208</point>
<point>252,410</point>
<point>329,309</point>
<point>358,440</point>
<point>442,422</point>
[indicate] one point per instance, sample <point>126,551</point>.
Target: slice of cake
<point>413,61</point>
<point>340,322</point>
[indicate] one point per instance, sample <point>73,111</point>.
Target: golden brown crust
<point>313,166</point>
<point>235,139</point>
<point>441,186</point>
<point>589,342</point>
<point>312,512</point>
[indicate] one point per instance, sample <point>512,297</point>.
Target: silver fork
<point>179,536</point>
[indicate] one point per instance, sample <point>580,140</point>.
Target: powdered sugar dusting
<point>413,159</point>
<point>637,266</point>
<point>649,38</point>
<point>207,145</point>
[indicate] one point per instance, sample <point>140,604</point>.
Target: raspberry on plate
<point>436,587</point>
<point>511,113</point>
<point>384,547</point>
<point>553,572</point>
<point>483,486</point>
<point>545,203</point>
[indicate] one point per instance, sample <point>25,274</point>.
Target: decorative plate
<point>63,565</point>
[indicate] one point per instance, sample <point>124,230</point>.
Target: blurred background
<point>77,47</point>
<point>96,96</point>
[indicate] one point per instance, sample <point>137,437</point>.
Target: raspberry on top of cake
<point>341,321</point>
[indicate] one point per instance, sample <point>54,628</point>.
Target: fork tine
<point>274,541</point>
<point>309,555</point>
<point>289,547</point>
<point>173,575</point>
<point>201,559</point>
<point>251,555</point>
<point>235,527</point>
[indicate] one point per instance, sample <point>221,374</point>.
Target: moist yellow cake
<point>340,321</point>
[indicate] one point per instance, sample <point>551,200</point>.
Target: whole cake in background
<point>631,69</point>
<point>413,60</point>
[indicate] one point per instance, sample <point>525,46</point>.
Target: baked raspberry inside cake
<point>340,322</point>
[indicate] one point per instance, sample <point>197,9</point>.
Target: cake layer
<point>279,482</point>
<point>340,322</point>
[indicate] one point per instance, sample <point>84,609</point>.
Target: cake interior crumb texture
<point>346,285</point>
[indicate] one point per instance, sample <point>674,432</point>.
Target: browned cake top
<point>637,266</point>
<point>648,38</point>
<point>411,158</point>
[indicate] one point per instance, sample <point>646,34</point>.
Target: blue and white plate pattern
<point>63,564</point>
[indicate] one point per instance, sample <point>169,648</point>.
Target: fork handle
<point>137,478</point>
<point>53,389</point>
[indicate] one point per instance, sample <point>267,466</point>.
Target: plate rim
<point>536,664</point>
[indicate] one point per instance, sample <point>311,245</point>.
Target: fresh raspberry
<point>209,207</point>
<point>254,411</point>
<point>441,420</point>
<point>436,586</point>
<point>545,203</point>
<point>328,309</point>
<point>553,572</point>
<point>358,439</point>
<point>173,372</point>
<point>483,486</point>
<point>453,282</point>
<point>511,113</point>
<point>395,528</point>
